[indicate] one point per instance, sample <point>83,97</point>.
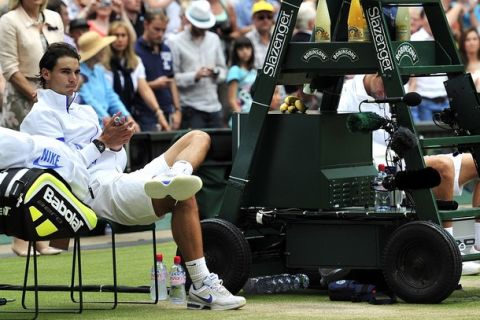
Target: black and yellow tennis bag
<point>37,204</point>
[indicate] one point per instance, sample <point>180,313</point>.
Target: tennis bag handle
<point>37,204</point>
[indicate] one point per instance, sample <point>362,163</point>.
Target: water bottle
<point>396,196</point>
<point>382,195</point>
<point>160,278</point>
<point>108,229</point>
<point>276,284</point>
<point>177,282</point>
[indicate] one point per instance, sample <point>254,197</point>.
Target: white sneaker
<point>179,187</point>
<point>473,250</point>
<point>470,268</point>
<point>214,296</point>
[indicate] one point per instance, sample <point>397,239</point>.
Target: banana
<point>283,107</point>
<point>290,100</point>
<point>292,109</point>
<point>300,106</point>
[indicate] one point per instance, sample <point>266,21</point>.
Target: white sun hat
<point>200,14</point>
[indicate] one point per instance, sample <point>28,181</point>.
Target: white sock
<point>477,235</point>
<point>182,167</point>
<point>449,230</point>
<point>197,269</point>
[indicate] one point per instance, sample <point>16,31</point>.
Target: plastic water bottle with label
<point>160,278</point>
<point>177,282</point>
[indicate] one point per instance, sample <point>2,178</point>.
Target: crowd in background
<point>171,64</point>
<point>169,73</point>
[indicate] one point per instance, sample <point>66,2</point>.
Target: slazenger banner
<point>277,44</point>
<point>379,39</point>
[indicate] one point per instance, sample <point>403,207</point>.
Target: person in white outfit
<point>164,185</point>
<point>367,87</point>
<point>455,170</point>
<point>21,150</point>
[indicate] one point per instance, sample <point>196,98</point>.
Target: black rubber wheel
<point>422,263</point>
<point>227,253</point>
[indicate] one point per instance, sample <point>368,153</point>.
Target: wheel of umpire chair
<point>227,253</point>
<point>422,263</point>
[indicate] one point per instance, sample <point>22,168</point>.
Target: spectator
<point>81,9</point>
<point>305,22</point>
<point>102,17</point>
<point>225,23</point>
<point>415,19</point>
<point>107,10</point>
<point>471,13</point>
<point>77,28</point>
<point>241,75</point>
<point>199,65</point>
<point>26,30</point>
<point>95,89</point>
<point>61,8</point>
<point>243,12</point>
<point>157,58</point>
<point>454,12</point>
<point>134,12</point>
<point>126,73</point>
<point>21,45</point>
<point>262,15</point>
<point>432,90</point>
<point>172,9</point>
<point>470,49</point>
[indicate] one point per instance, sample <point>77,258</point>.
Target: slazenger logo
<point>379,39</point>
<point>344,52</point>
<point>277,43</point>
<point>408,51</point>
<point>48,160</point>
<point>62,209</point>
<point>314,53</point>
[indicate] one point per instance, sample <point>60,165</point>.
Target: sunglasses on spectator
<point>264,16</point>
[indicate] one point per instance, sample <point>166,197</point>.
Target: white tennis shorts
<point>120,197</point>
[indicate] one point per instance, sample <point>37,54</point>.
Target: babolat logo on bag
<point>56,201</point>
<point>41,205</point>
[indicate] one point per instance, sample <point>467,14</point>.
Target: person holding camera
<point>107,11</point>
<point>199,66</point>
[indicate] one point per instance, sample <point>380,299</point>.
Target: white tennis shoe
<point>179,187</point>
<point>213,295</point>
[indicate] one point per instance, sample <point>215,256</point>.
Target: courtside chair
<point>115,288</point>
<point>37,205</point>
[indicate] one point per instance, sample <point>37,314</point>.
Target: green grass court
<point>134,263</point>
